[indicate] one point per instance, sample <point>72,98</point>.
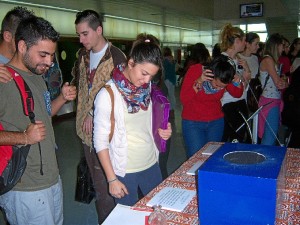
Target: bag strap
<point>266,80</point>
<point>28,103</point>
<point>26,95</point>
<point>112,116</point>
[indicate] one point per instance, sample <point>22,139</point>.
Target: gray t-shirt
<point>12,118</point>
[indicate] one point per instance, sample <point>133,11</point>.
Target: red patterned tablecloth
<point>288,207</point>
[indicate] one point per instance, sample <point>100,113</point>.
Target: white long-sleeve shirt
<point>118,147</point>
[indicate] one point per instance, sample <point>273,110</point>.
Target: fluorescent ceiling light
<point>105,15</point>
<point>147,22</point>
<point>39,5</point>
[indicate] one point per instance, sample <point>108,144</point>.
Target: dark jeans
<point>233,120</point>
<point>196,134</point>
<point>104,201</point>
<point>144,181</point>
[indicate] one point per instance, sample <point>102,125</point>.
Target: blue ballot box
<point>238,184</point>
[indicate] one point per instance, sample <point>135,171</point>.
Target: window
<point>259,28</point>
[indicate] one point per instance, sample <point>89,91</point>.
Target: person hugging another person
<point>201,93</point>
<point>235,108</point>
<point>130,159</point>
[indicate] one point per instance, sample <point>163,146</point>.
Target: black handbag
<point>254,92</point>
<point>84,186</point>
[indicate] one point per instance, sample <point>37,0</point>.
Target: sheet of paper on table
<point>124,215</point>
<point>174,199</point>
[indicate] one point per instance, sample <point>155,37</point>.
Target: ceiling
<point>192,14</point>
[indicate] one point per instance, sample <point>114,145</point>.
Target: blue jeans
<point>145,181</point>
<point>269,138</point>
<point>196,134</point>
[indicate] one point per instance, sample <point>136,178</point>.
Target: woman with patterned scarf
<point>130,159</point>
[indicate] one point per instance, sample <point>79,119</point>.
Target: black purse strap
<point>266,80</point>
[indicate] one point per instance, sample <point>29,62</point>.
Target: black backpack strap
<point>26,95</point>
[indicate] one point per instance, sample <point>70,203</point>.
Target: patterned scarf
<point>135,97</point>
<point>208,88</point>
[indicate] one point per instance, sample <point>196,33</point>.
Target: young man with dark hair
<point>37,198</point>
<point>91,71</point>
<point>9,26</point>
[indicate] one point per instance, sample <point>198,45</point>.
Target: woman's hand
<point>281,84</point>
<point>247,72</point>
<point>117,189</point>
<point>165,134</point>
<point>207,75</point>
<point>236,78</point>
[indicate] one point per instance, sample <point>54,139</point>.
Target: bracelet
<point>236,84</point>
<point>110,181</point>
<point>26,139</point>
<point>90,113</point>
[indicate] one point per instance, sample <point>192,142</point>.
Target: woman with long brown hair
<point>269,117</point>
<point>232,43</point>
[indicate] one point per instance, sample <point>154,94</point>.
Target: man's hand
<point>68,91</point>
<point>35,132</point>
<point>88,125</point>
<point>5,75</point>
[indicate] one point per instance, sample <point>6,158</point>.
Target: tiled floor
<point>69,153</point>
